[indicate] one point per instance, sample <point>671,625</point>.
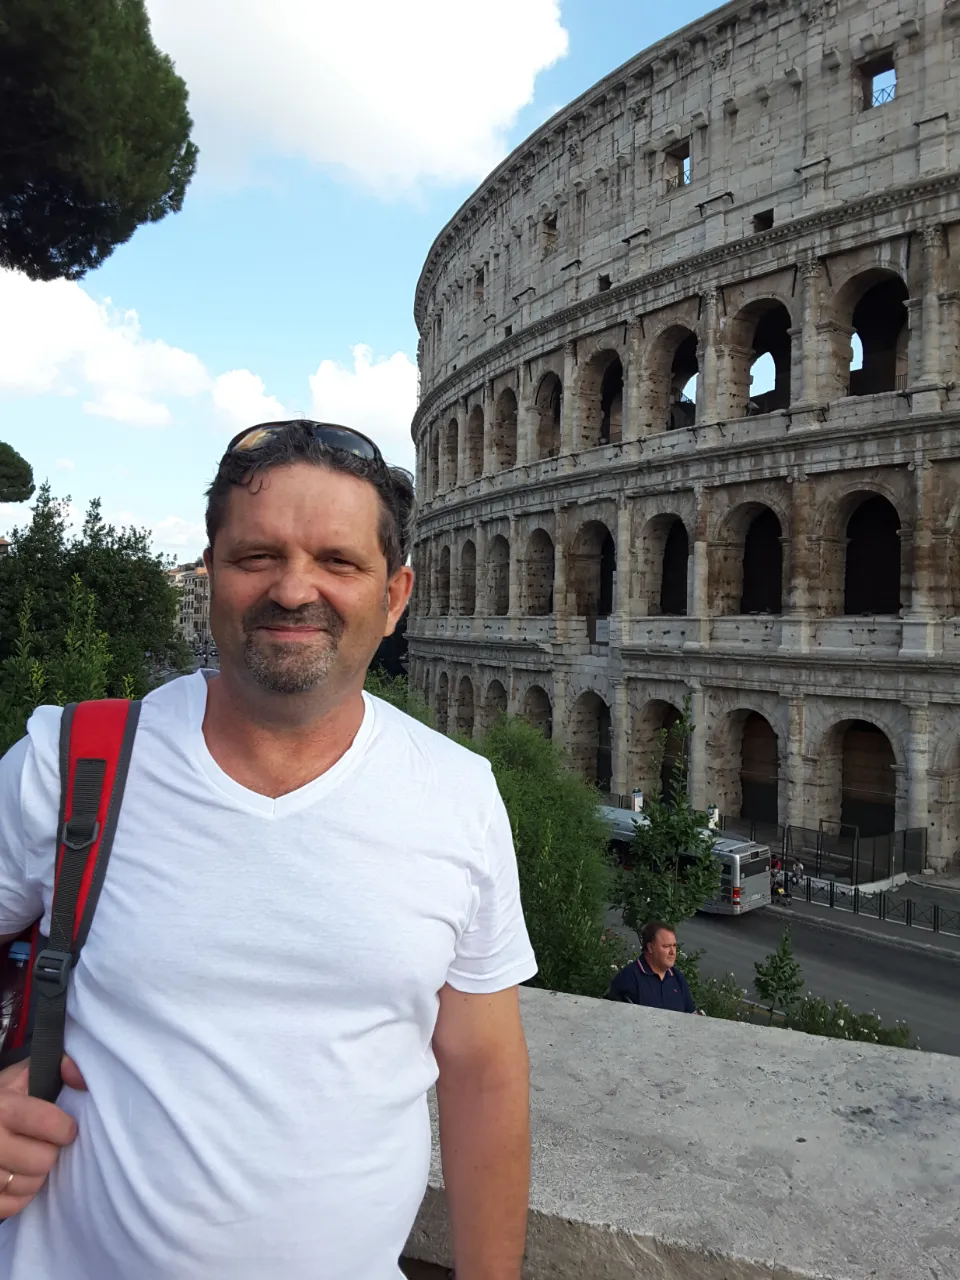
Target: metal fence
<point>931,916</point>
<point>835,852</point>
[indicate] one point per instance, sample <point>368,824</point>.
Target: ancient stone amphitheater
<point>689,424</point>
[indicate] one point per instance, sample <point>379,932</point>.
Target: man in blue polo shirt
<point>652,979</point>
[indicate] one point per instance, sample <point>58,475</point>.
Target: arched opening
<point>601,400</point>
<point>759,373</point>
<point>682,403</point>
<point>494,704</point>
<point>879,320</point>
<point>869,781</point>
<point>594,570</point>
<point>498,560</point>
<point>433,482</point>
<point>465,711</point>
<point>872,574</point>
<point>539,570</point>
<point>763,565</point>
<point>473,463</point>
<point>467,604</point>
<point>537,710</point>
<point>589,740</point>
<point>449,461</point>
<point>443,583</point>
<point>759,771</point>
<point>548,407</point>
<point>505,431</point>
<point>657,717</point>
<point>443,702</point>
<point>673,576</point>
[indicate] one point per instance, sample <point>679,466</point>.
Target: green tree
<point>779,978</point>
<point>561,848</point>
<point>399,693</point>
<point>16,476</point>
<point>94,133</point>
<point>670,870</point>
<point>135,602</point>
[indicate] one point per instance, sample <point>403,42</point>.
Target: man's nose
<point>295,586</point>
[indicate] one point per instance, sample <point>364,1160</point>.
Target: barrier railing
<point>932,916</point>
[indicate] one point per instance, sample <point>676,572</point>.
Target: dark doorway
<point>611,404</point>
<point>869,797</point>
<point>759,772</point>
<point>762,565</point>
<point>872,580</point>
<point>880,321</point>
<point>608,567</point>
<point>673,578</point>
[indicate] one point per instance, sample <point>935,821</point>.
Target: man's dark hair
<point>394,486</point>
<point>650,930</point>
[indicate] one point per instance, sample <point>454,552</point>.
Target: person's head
<point>308,535</point>
<point>659,944</point>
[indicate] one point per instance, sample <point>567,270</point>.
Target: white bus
<point>744,865</point>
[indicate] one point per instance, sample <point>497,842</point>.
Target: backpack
<point>96,742</point>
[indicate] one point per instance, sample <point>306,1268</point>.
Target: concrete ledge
<point>676,1148</point>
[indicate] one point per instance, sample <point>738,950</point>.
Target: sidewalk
<point>889,933</point>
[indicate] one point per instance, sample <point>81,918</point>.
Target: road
<point>922,991</point>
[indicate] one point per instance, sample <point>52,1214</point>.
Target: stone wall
<point>681,1148</point>
<point>696,431</point>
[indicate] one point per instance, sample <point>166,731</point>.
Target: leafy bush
<point>817,1017</point>
<point>779,978</point>
<point>716,997</point>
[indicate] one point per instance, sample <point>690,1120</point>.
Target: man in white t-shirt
<point>311,913</point>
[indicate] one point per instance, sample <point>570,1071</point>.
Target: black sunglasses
<point>330,434</point>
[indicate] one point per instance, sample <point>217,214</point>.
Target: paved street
<point>923,991</point>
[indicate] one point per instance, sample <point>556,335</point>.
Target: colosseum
<point>689,425</point>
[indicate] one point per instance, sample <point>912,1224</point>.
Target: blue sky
<point>335,143</point>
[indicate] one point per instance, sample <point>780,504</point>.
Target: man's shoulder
<point>446,757</point>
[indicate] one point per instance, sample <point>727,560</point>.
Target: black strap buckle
<point>80,832</point>
<point>51,972</point>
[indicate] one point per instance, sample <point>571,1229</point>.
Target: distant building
<point>4,547</point>
<point>194,617</point>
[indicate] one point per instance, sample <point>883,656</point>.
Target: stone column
<point>570,409</point>
<point>526,452</point>
<point>461,443</point>
<point>560,709</point>
<point>697,775</point>
<point>811,274</point>
<point>708,386</point>
<point>516,573</point>
<point>488,403</point>
<point>560,611</point>
<point>699,571</point>
<point>632,391</point>
<point>620,728</point>
<point>918,766</point>
<point>480,609</point>
<point>794,770</point>
<point>800,571</point>
<point>926,396</point>
<point>922,632</point>
<point>623,603</point>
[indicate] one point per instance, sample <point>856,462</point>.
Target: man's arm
<point>484,1097</point>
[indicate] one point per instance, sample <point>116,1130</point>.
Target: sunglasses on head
<point>330,434</point>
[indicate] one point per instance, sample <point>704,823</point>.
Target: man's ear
<point>399,590</point>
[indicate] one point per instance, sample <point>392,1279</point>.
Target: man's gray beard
<point>288,668</point>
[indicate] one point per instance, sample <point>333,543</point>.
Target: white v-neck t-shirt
<point>254,1007</point>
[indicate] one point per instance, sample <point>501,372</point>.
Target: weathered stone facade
<point>614,519</point>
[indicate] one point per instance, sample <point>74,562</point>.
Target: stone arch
<point>442,707</point>
<point>871,306</point>
<point>498,580</point>
<point>590,740</point>
<point>448,461</point>
<point>433,483</point>
<point>872,565</point>
<point>465,711</point>
<point>858,778</point>
<point>494,705</point>
<point>746,753</point>
<point>673,364</point>
<point>538,566</point>
<point>505,431</point>
<point>655,717</point>
<point>443,582</point>
<point>473,461</point>
<point>761,329</point>
<point>537,711</point>
<point>746,569</point>
<point>594,569</point>
<point>467,584</point>
<point>548,408</point>
<point>664,560</point>
<point>601,400</point>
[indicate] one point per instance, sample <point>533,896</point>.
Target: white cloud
<point>129,407</point>
<point>178,537</point>
<point>376,397</point>
<point>240,399</point>
<point>390,94</point>
<point>64,464</point>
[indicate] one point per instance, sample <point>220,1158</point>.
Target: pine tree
<point>779,978</point>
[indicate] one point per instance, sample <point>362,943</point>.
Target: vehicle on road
<point>744,864</point>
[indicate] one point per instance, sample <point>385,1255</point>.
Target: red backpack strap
<point>96,742</point>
